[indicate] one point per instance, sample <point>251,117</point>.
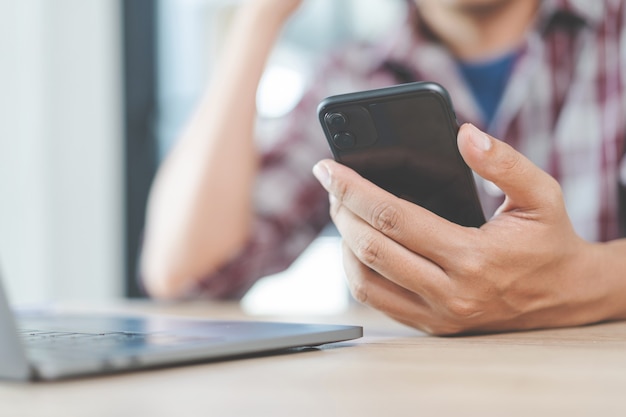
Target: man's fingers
<point>412,226</point>
<point>387,257</point>
<point>369,287</point>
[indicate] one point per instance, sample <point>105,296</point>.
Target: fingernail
<point>321,173</point>
<point>479,139</point>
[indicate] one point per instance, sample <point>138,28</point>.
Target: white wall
<point>60,149</point>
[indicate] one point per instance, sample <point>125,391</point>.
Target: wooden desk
<point>392,371</point>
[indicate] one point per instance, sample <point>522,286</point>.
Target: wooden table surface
<point>391,371</point>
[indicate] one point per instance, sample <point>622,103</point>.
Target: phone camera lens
<point>344,140</point>
<point>336,120</point>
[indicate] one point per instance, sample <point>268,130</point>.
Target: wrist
<point>587,285</point>
<point>611,276</point>
<point>594,286</point>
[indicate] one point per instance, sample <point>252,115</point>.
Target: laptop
<point>49,345</point>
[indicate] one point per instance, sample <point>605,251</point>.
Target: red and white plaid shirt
<point>564,108</point>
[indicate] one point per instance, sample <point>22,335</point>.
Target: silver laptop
<point>47,345</point>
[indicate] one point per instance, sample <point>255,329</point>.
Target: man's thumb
<point>525,185</point>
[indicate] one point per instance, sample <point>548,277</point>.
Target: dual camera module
<point>338,122</point>
<point>350,127</point>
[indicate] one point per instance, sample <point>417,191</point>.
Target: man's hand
<point>525,268</point>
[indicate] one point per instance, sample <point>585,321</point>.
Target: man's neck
<point>481,31</point>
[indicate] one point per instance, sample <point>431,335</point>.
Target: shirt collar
<point>417,52</point>
<point>574,12</point>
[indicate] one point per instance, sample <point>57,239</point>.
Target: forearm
<point>200,211</point>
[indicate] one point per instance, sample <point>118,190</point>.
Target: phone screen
<point>403,139</point>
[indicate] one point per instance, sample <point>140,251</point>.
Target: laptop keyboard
<point>45,342</point>
<point>34,338</point>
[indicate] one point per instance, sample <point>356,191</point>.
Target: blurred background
<point>93,95</point>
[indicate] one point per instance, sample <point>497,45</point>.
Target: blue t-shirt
<point>487,80</point>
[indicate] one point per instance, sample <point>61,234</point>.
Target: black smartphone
<point>403,139</point>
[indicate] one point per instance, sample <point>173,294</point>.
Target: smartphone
<point>403,139</point>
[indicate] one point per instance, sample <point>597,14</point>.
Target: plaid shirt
<point>564,107</point>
